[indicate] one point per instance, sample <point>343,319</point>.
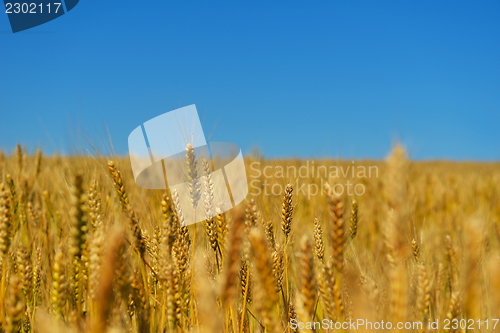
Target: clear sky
<point>294,78</point>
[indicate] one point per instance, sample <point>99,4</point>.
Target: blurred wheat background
<point>84,249</point>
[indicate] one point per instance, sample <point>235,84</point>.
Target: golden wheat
<point>82,244</point>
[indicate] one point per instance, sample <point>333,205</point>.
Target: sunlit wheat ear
<point>416,250</point>
<point>246,282</point>
<point>178,209</point>
<point>15,306</point>
<point>423,294</point>
<point>336,210</point>
<point>319,244</point>
<point>38,162</point>
<point>453,263</point>
<point>278,266</point>
<point>307,295</point>
<point>269,229</point>
<point>252,215</point>
<point>180,217</point>
<point>36,281</point>
<point>13,197</point>
<point>24,270</point>
<point>19,158</point>
<point>287,210</point>
<point>58,294</point>
<point>187,291</point>
<point>119,187</point>
<point>453,310</point>
<point>170,226</point>
<point>292,314</point>
<point>94,204</point>
<point>209,267</point>
<point>338,298</point>
<point>211,224</point>
<point>153,249</point>
<point>193,179</point>
<point>137,232</point>
<point>79,218</point>
<point>173,259</point>
<point>180,246</point>
<point>326,292</point>
<point>348,311</point>
<point>33,214</point>
<point>26,322</point>
<point>228,287</point>
<point>180,251</point>
<point>78,239</point>
<point>170,264</point>
<point>23,198</point>
<point>168,236</point>
<point>5,220</point>
<point>209,188</point>
<point>222,226</point>
<point>95,256</point>
<point>354,219</point>
<point>265,290</point>
<point>174,306</point>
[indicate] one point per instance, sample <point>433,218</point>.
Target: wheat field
<point>84,249</point>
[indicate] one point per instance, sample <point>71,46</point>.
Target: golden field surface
<point>84,249</point>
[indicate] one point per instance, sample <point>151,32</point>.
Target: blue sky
<point>294,78</point>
